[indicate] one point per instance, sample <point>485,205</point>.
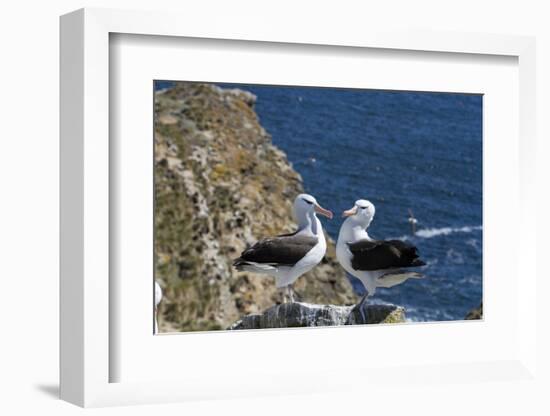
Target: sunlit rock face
<point>292,315</point>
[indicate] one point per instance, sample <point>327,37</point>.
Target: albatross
<point>286,257</point>
<point>158,298</point>
<point>376,263</point>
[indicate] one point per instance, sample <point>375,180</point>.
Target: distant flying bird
<point>413,221</point>
<point>158,298</point>
<point>288,256</point>
<point>376,263</point>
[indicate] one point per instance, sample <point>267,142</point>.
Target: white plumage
<point>158,298</point>
<point>376,263</point>
<point>287,257</point>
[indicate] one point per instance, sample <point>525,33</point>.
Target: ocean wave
<point>474,280</point>
<point>413,314</point>
<point>474,243</point>
<point>432,262</point>
<point>436,232</point>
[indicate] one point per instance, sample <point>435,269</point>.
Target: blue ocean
<point>402,151</point>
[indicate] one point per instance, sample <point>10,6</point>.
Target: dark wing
<point>281,250</point>
<point>379,255</point>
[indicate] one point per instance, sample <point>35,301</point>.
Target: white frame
<point>137,60</point>
<point>85,193</point>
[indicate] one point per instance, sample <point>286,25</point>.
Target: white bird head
<point>362,213</point>
<point>305,204</point>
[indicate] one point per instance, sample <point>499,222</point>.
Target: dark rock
<point>291,315</point>
<point>476,313</point>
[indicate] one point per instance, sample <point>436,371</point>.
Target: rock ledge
<point>297,314</point>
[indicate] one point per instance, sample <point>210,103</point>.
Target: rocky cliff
<point>220,184</point>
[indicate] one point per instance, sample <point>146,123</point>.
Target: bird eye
<point>309,202</point>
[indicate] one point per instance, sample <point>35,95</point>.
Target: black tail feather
<point>239,263</point>
<point>417,263</point>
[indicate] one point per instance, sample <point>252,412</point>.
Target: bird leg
<point>283,292</point>
<point>360,307</point>
<point>290,293</point>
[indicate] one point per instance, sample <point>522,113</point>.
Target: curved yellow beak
<point>350,212</point>
<point>320,210</point>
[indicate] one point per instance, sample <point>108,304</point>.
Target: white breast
<point>308,262</point>
<point>344,256</point>
<point>349,234</point>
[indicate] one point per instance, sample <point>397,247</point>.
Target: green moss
<point>219,171</point>
<point>395,317</point>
